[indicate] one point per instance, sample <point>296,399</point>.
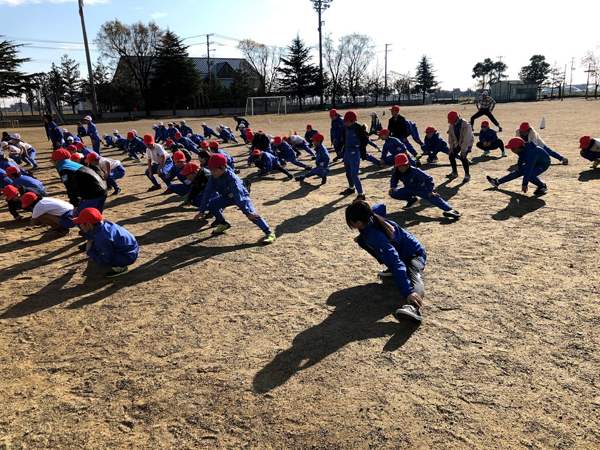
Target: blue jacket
<point>413,178</point>
<point>111,141</point>
<point>434,144</point>
<point>171,133</point>
<point>285,151</point>
<point>189,145</point>
<point>160,134</point>
<point>136,145</point>
<point>393,146</point>
<point>208,132</point>
<point>228,185</point>
<point>122,143</point>
<point>322,160</point>
<point>92,132</point>
<point>81,131</point>
<point>112,245</point>
<point>226,135</point>
<point>266,162</point>
<point>54,134</point>
<point>197,139</point>
<point>185,130</point>
<point>27,181</point>
<point>337,129</point>
<point>414,132</point>
<point>4,180</point>
<point>309,135</point>
<point>230,160</point>
<point>6,164</point>
<point>488,136</point>
<point>175,173</point>
<point>386,252</point>
<point>532,156</point>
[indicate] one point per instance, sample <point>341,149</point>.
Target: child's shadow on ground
<point>518,206</point>
<point>588,175</point>
<point>356,317</point>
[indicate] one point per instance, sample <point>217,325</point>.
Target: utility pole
<point>385,89</point>
<point>572,69</point>
<point>89,61</point>
<point>208,54</point>
<point>320,6</point>
<point>588,80</point>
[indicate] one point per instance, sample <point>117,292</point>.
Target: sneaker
<point>503,154</point>
<point>384,273</point>
<point>117,191</point>
<point>408,313</point>
<point>486,153</point>
<point>167,191</point>
<point>270,238</point>
<point>594,165</point>
<point>453,214</point>
<point>499,129</point>
<point>221,228</point>
<point>432,161</point>
<point>117,271</point>
<point>493,181</point>
<point>290,176</point>
<point>236,171</point>
<point>347,191</point>
<point>216,223</point>
<point>541,190</point>
<point>308,168</point>
<point>360,197</point>
<point>247,184</point>
<point>299,178</point>
<point>337,158</point>
<point>155,187</point>
<point>452,175</point>
<point>467,178</point>
<point>418,164</point>
<point>324,180</point>
<point>410,203</point>
<point>565,161</point>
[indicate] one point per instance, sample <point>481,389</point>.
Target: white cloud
<point>158,15</point>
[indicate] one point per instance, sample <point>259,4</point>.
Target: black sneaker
<point>360,197</point>
<point>408,313</point>
<point>299,178</point>
<point>117,191</point>
<point>308,168</point>
<point>493,181</point>
<point>453,214</point>
<point>541,190</point>
<point>347,191</point>
<point>499,129</point>
<point>384,273</point>
<point>247,184</point>
<point>324,180</point>
<point>117,271</point>
<point>337,158</point>
<point>410,203</point>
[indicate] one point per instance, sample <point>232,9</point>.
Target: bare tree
<point>375,83</point>
<point>403,83</point>
<point>264,61</point>
<point>591,64</point>
<point>134,46</point>
<point>358,52</point>
<point>334,57</point>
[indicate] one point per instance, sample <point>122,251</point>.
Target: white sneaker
<point>408,313</point>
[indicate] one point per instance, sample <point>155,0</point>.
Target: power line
<point>48,41</point>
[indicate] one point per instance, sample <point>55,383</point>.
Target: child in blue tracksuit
<point>160,133</point>
<point>393,246</point>
<point>92,132</point>
<point>285,152</point>
<point>321,161</point>
<point>308,136</point>
<point>189,145</point>
<point>197,139</point>
<point>416,184</point>
<point>27,151</point>
<point>414,133</point>
<point>231,191</point>
<point>488,140</point>
<point>81,130</point>
<point>355,147</point>
<point>336,134</point>
<point>297,143</point>
<point>213,147</point>
<point>171,130</point>
<point>433,144</point>
<point>135,145</point>
<point>18,179</point>
<point>528,134</point>
<point>53,132</point>
<point>176,173</point>
<point>266,162</point>
<point>242,129</point>
<point>533,161</point>
<point>208,131</point>
<point>392,146</point>
<point>185,129</point>
<point>110,141</point>
<point>226,135</point>
<point>4,180</point>
<point>108,243</point>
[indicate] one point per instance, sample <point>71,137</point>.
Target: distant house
<point>514,91</point>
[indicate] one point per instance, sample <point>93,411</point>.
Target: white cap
<point>115,131</point>
<point>64,130</point>
<point>104,136</point>
<point>16,136</point>
<point>374,114</point>
<point>134,132</point>
<point>170,123</point>
<point>203,124</point>
<point>71,138</point>
<point>182,121</point>
<point>154,127</point>
<point>218,128</point>
<point>4,144</point>
<point>484,93</point>
<point>189,135</point>
<point>160,124</point>
<point>87,118</point>
<point>221,125</point>
<point>241,125</point>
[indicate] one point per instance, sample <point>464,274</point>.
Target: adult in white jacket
<point>460,141</point>
<point>528,134</point>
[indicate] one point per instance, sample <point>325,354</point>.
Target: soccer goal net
<point>262,105</point>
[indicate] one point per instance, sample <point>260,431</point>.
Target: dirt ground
<point>225,343</point>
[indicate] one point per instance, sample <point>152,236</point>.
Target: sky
<point>453,35</point>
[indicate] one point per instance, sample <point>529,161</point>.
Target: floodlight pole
<point>320,6</point>
<point>89,61</point>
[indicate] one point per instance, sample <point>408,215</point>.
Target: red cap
<point>27,199</point>
<point>452,116</point>
<point>11,170</point>
<point>318,137</point>
<point>430,130</point>
<point>204,144</point>
<point>400,160</point>
<point>308,127</point>
<point>217,160</point>
<point>148,139</point>
<point>189,167</point>
<point>350,115</point>
<point>333,112</point>
<point>80,145</point>
<point>515,142</point>
<point>485,123</point>
<point>213,144</point>
<point>277,140</point>
<point>93,156</point>
<point>76,157</point>
<point>60,155</point>
<point>261,131</point>
<point>249,135</point>
<point>384,131</point>
<point>88,215</point>
<point>584,142</point>
<point>255,152</point>
<point>177,135</point>
<point>71,149</point>
<point>10,191</point>
<point>169,142</point>
<point>285,138</point>
<point>178,156</point>
<point>524,127</point>
<point>130,135</point>
<point>395,108</point>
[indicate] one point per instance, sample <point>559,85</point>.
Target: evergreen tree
<point>299,77</point>
<point>175,77</point>
<point>537,71</point>
<point>72,83</point>
<point>13,82</point>
<point>56,85</point>
<point>425,77</point>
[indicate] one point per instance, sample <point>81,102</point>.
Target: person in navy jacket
<point>393,246</point>
<point>53,132</point>
<point>19,179</point>
<point>336,134</point>
<point>266,162</point>
<point>109,244</point>
<point>171,130</point>
<point>416,183</point>
<point>231,191</point>
<point>135,145</point>
<point>433,144</point>
<point>92,132</point>
<point>176,173</point>
<point>185,129</point>
<point>213,147</point>
<point>321,161</point>
<point>392,146</point>
<point>197,139</point>
<point>225,134</point>
<point>285,152</point>
<point>533,161</point>
<point>488,140</point>
<point>308,136</point>
<point>355,141</point>
<point>189,145</point>
<point>208,131</point>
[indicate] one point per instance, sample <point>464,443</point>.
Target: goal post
<point>266,105</point>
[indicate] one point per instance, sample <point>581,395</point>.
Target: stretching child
<point>321,161</point>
